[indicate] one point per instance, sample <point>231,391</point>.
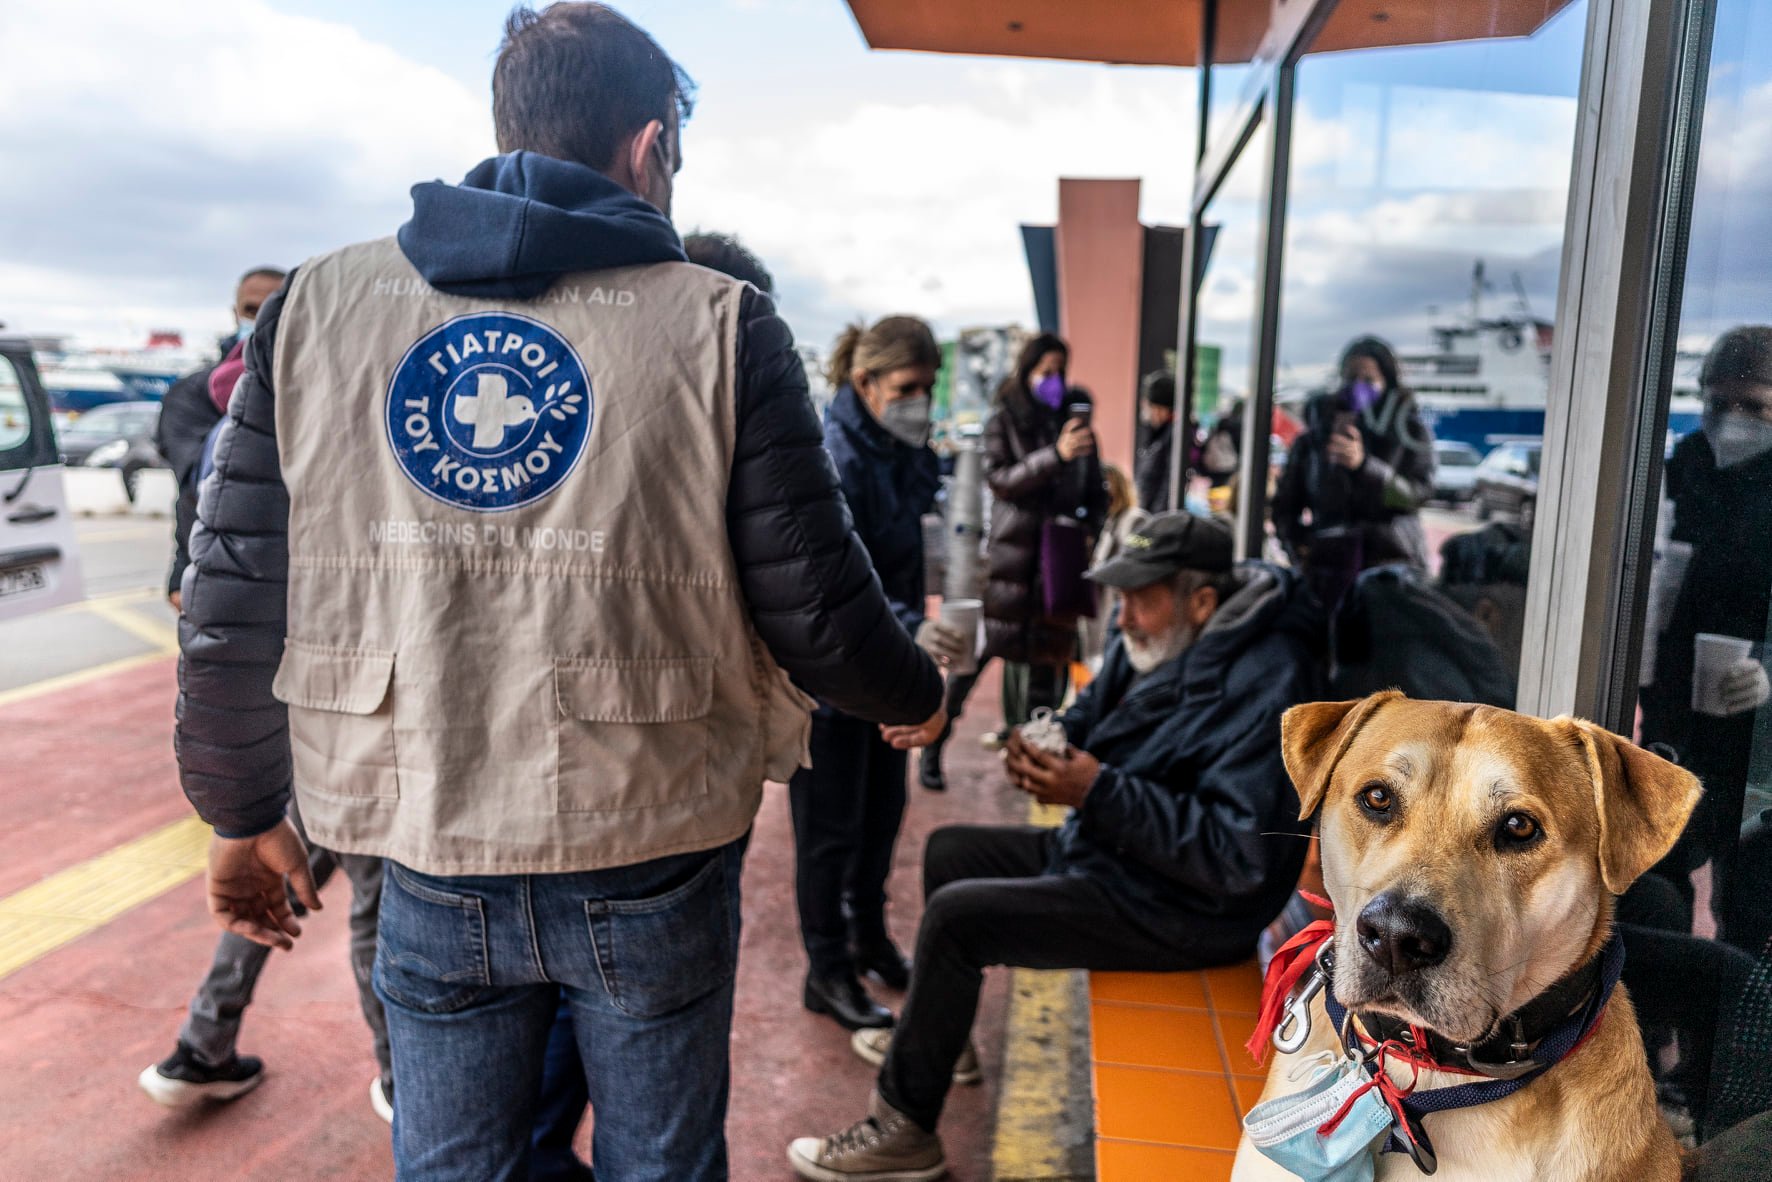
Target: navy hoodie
<point>518,222</point>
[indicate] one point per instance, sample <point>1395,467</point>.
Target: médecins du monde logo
<point>490,411</point>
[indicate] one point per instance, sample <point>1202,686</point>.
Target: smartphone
<point>1078,410</point>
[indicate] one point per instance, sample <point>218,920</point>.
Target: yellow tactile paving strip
<point>1172,1079</point>
<point>65,906</point>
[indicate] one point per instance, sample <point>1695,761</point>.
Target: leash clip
<point>1295,1028</point>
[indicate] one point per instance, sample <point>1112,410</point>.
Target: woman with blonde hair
<point>847,806</point>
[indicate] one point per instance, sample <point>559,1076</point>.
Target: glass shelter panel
<point>1699,926</point>
<point>1426,206</point>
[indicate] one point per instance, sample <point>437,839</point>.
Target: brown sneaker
<point>870,1046</point>
<point>883,1146</point>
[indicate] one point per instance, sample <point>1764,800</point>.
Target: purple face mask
<point>1361,396</point>
<point>1050,390</point>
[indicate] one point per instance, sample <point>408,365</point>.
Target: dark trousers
<point>847,808</point>
<point>989,902</point>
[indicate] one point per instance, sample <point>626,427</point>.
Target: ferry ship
<point>78,379</point>
<point>1484,377</point>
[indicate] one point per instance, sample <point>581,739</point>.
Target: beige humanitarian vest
<point>516,640</point>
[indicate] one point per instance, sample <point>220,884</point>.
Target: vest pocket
<point>632,734</point>
<point>341,722</point>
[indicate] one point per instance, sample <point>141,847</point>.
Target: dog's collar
<point>1563,1017</point>
<point>1507,1054</point>
<point>1563,1037</point>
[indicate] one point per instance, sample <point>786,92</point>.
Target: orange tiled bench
<point>1172,1079</point>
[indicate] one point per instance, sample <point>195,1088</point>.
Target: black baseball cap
<point>1163,547</point>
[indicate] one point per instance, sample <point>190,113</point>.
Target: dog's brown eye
<point>1518,827</point>
<point>1376,798</point>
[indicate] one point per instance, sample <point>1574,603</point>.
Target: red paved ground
<point>90,768</point>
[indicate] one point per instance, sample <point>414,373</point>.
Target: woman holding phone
<point>1048,503</point>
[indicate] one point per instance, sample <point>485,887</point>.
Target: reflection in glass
<point>1700,925</point>
<point>1423,245</point>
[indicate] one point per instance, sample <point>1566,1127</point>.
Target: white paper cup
<point>1712,658</point>
<point>965,616</point>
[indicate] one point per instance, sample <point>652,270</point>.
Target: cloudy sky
<point>156,150</point>
<point>171,145</point>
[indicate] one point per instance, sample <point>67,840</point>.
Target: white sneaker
<point>871,1046</point>
<point>883,1146</point>
<point>378,1100</point>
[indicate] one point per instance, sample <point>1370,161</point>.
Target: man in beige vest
<point>520,528</point>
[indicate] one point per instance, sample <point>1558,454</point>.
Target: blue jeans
<point>472,970</point>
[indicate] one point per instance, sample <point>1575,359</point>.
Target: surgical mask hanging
<point>907,420</point>
<point>1050,390</point>
<point>1285,1129</point>
<point>1736,438</point>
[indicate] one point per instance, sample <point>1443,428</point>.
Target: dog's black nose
<point>1403,935</point>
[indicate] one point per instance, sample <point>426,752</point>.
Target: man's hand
<point>946,643</point>
<point>1744,687</point>
<point>1051,779</point>
<point>1346,447</point>
<point>247,891</point>
<point>923,735</point>
<point>177,600</point>
<point>1075,440</point>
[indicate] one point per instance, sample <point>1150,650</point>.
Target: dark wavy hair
<point>1014,393</point>
<point>575,80</point>
<point>1381,354</point>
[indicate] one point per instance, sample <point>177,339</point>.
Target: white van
<point>39,557</point>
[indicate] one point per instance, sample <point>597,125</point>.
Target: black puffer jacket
<point>1030,484</point>
<point>1192,825</point>
<point>807,580</point>
<point>1381,500</point>
<point>187,414</point>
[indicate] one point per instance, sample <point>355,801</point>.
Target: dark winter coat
<point>889,486</point>
<point>1030,484</point>
<point>1379,502</point>
<point>1396,630</point>
<point>1725,515</point>
<point>1152,478</point>
<point>187,415</point>
<point>1192,825</point>
<point>505,233</point>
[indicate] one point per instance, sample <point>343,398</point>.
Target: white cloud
<point>153,155</point>
<point>894,205</point>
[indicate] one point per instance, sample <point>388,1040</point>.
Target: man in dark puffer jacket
<point>558,748</point>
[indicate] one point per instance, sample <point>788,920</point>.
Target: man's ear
<point>635,157</point>
<point>1641,799</point>
<point>1315,736</point>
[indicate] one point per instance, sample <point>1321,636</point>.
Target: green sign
<point>1206,382</point>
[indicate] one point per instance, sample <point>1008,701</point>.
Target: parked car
<point>39,558</point>
<point>1507,482</point>
<point>1455,471</point>
<point>118,435</point>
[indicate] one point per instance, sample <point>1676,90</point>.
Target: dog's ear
<point>1315,736</point>
<point>1642,801</point>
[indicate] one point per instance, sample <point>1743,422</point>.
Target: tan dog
<point>1472,855</point>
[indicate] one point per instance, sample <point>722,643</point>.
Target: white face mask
<point>907,420</point>
<point>246,326</point>
<point>1736,438</point>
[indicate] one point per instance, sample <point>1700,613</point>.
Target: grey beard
<point>1155,652</point>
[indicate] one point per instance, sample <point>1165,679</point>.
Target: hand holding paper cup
<point>964,616</point>
<point>1719,674</point>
